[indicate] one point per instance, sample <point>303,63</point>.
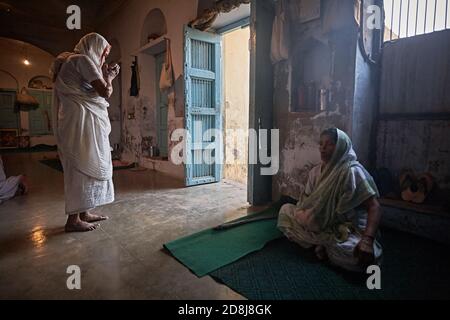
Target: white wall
<point>236,62</point>
<point>12,54</point>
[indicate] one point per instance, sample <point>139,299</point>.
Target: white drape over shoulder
<point>82,128</point>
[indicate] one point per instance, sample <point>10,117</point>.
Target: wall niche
<point>311,77</point>
<point>154,26</point>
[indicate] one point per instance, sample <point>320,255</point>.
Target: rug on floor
<point>208,250</point>
<point>256,261</point>
<point>413,268</point>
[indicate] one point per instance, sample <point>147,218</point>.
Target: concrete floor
<point>123,258</point>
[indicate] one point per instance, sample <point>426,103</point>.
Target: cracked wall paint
<point>300,152</point>
<point>127,25</point>
<point>300,131</point>
<point>236,89</point>
<point>139,127</point>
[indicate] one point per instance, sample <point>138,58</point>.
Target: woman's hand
<point>110,72</point>
<point>364,252</point>
<point>306,219</point>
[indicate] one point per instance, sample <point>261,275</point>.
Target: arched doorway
<point>153,31</point>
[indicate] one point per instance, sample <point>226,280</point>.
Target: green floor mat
<point>209,250</point>
<point>53,163</point>
<point>413,268</point>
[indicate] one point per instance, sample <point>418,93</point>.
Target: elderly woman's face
<point>327,147</point>
<point>105,54</point>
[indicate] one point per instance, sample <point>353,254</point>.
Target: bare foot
<point>24,184</point>
<point>89,217</point>
<point>80,226</point>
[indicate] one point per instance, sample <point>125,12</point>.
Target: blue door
<point>203,101</point>
<point>9,118</point>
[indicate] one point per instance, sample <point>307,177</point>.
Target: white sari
<point>8,186</point>
<point>82,127</point>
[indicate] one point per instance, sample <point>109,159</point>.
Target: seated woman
<point>338,212</point>
<point>12,186</point>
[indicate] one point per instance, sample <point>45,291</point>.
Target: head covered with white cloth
<point>92,45</point>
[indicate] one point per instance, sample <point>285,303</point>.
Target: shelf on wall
<point>154,47</point>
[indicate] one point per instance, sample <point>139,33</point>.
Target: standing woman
<point>81,126</point>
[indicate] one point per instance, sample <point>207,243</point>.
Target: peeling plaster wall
<point>126,27</point>
<point>114,112</point>
<point>299,131</point>
<point>236,97</point>
<point>299,150</point>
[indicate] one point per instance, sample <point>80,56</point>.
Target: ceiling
<point>43,23</point>
<point>227,18</point>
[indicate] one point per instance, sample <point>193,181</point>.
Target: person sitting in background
<point>338,212</point>
<point>12,186</point>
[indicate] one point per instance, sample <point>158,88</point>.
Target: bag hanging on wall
<point>134,89</point>
<point>280,35</point>
<point>25,101</point>
<point>167,79</point>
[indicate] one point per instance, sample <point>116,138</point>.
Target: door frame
<point>259,187</point>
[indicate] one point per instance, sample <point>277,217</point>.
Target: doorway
<point>236,90</point>
<point>219,95</point>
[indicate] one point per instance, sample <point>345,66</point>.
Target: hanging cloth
<point>280,34</point>
<point>24,101</point>
<point>134,90</point>
<point>166,80</point>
